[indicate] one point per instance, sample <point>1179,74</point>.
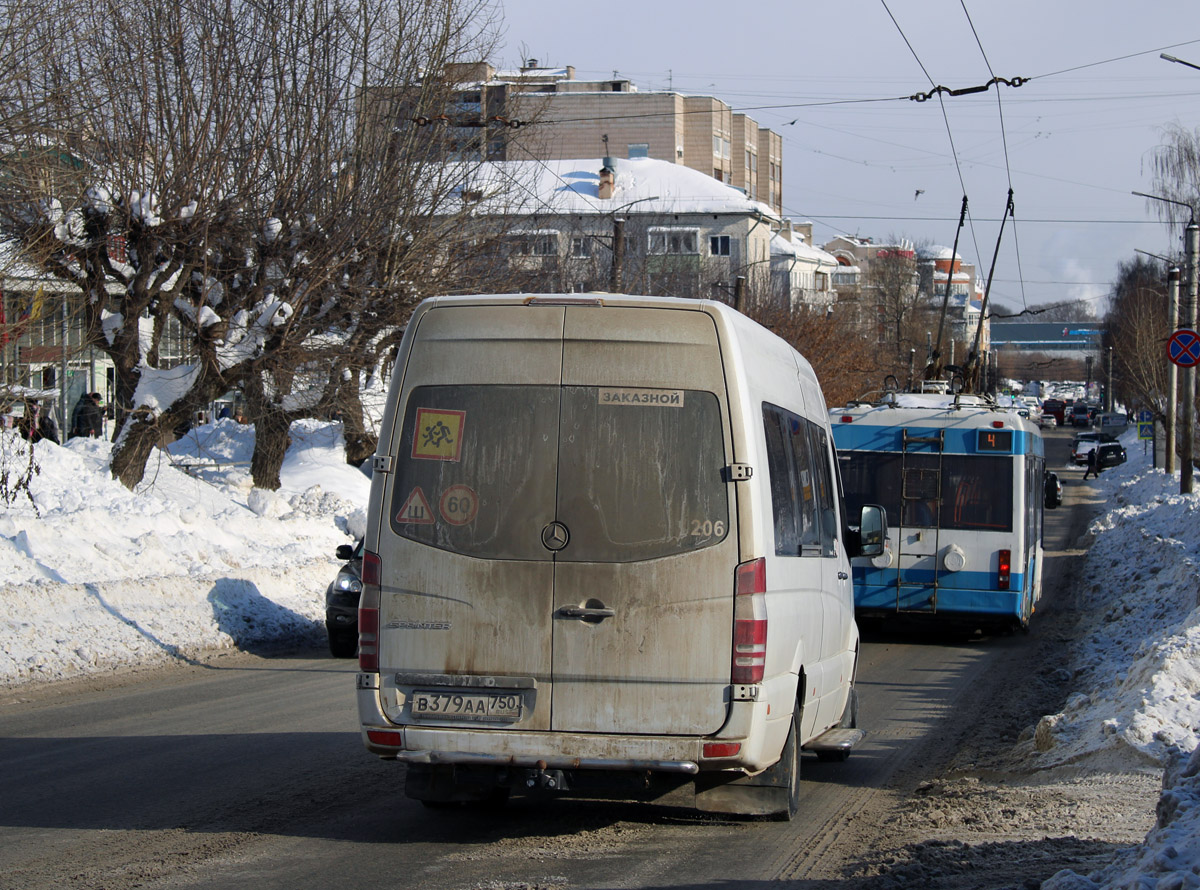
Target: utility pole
<point>1188,421</point>
<point>618,256</point>
<point>1108,390</point>
<point>1172,371</point>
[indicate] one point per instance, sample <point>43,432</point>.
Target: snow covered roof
<point>800,249</point>
<point>641,186</point>
<point>936,252</point>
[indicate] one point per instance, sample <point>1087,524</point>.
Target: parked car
<point>1054,408</point>
<point>1054,490</point>
<point>1111,454</point>
<point>1085,442</point>
<point>341,602</point>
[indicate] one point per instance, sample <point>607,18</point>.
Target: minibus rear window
<point>630,474</point>
<point>640,474</point>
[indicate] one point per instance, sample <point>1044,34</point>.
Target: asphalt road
<point>248,772</point>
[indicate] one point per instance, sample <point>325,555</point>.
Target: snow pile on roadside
<point>1137,670</point>
<point>1137,653</point>
<point>94,576</point>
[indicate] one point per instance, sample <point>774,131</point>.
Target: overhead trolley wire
<point>1004,142</point>
<point>949,133</point>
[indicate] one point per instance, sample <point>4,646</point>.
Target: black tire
<point>789,761</point>
<point>342,644</point>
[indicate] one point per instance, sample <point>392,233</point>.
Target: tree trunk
<point>138,437</point>
<point>360,444</point>
<point>271,425</point>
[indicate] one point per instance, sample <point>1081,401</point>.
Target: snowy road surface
<point>993,763</point>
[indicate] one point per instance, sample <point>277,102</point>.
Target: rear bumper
<point>507,747</point>
<point>463,758</point>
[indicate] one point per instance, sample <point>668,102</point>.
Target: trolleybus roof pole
<point>971,383</point>
<point>934,369</point>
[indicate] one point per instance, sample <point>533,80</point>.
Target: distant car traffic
<point>341,602</point>
<point>1081,414</point>
<point>1054,408</point>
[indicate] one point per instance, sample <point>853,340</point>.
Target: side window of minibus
<point>780,473</point>
<point>823,476</point>
<point>807,497</point>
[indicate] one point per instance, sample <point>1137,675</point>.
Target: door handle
<point>584,613</point>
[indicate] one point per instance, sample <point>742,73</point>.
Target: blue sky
<point>1072,142</point>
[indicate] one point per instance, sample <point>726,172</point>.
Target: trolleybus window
<point>976,490</point>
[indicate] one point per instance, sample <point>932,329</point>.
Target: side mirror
<point>345,551</point>
<point>872,530</point>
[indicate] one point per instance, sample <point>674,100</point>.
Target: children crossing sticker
<point>438,434</point>
<point>416,509</point>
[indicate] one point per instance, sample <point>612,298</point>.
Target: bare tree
<point>233,209</point>
<point>1137,327</point>
<point>1176,165</point>
<point>904,314</point>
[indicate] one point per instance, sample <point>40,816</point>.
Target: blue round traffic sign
<point>1184,348</point>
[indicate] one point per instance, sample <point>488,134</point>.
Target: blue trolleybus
<point>962,483</point>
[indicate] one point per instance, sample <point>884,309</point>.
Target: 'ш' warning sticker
<point>438,435</point>
<point>416,510</point>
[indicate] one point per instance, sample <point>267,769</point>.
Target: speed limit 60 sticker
<point>459,504</point>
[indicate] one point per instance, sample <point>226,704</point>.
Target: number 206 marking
<point>704,528</point>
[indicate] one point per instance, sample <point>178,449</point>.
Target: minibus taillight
<point>368,613</point>
<point>1005,569</point>
<point>750,622</point>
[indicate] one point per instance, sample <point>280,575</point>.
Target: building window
<point>716,146</point>
<point>674,242</point>
<point>718,245</point>
<point>639,149</point>
<point>581,247</point>
<point>535,244</point>
<point>718,174</point>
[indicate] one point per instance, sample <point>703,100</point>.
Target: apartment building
<point>548,114</point>
<point>639,225</point>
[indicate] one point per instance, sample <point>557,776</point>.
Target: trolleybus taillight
<point>1002,576</point>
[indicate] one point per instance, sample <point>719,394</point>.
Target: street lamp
<point>1179,61</point>
<point>616,270</point>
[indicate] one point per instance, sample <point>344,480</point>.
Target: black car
<point>1110,454</point>
<point>1085,442</point>
<point>341,602</point>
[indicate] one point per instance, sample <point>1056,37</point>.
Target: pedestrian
<point>87,418</point>
<point>47,427</point>
<point>1091,465</point>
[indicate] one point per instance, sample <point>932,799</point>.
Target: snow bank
<point>1136,666</point>
<point>94,576</point>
